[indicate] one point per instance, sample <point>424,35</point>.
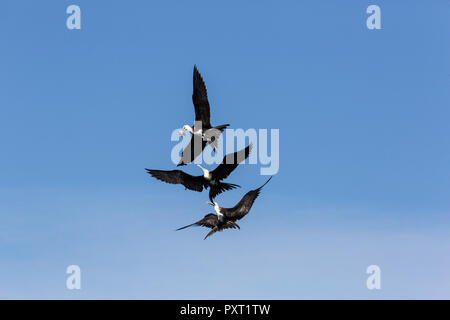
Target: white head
<point>188,128</point>
<point>205,171</point>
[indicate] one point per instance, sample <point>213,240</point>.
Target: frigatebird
<point>225,218</point>
<point>212,179</point>
<point>202,131</point>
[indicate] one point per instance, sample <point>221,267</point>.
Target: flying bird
<point>209,179</point>
<point>225,218</point>
<point>202,131</point>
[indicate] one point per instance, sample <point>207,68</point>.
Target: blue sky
<point>364,149</point>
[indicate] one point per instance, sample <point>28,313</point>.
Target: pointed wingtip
<point>265,183</point>
<point>248,149</point>
<point>189,225</point>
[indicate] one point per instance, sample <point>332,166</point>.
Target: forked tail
<point>222,127</point>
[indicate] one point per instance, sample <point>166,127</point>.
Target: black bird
<point>225,218</point>
<point>212,179</point>
<point>202,131</point>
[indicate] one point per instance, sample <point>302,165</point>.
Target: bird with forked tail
<point>202,131</point>
<point>225,218</point>
<point>211,180</point>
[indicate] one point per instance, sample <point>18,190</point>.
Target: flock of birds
<point>202,134</point>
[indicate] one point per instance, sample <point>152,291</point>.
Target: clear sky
<point>364,148</point>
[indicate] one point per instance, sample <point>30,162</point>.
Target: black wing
<point>200,100</point>
<point>226,225</point>
<point>244,206</point>
<point>179,177</point>
<point>220,187</point>
<point>209,221</point>
<point>230,162</point>
<point>192,150</point>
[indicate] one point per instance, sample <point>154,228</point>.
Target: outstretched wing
<point>200,100</point>
<point>192,150</point>
<point>244,206</point>
<point>209,221</point>
<point>230,162</point>
<point>179,177</point>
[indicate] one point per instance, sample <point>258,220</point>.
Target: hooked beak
<point>203,169</point>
